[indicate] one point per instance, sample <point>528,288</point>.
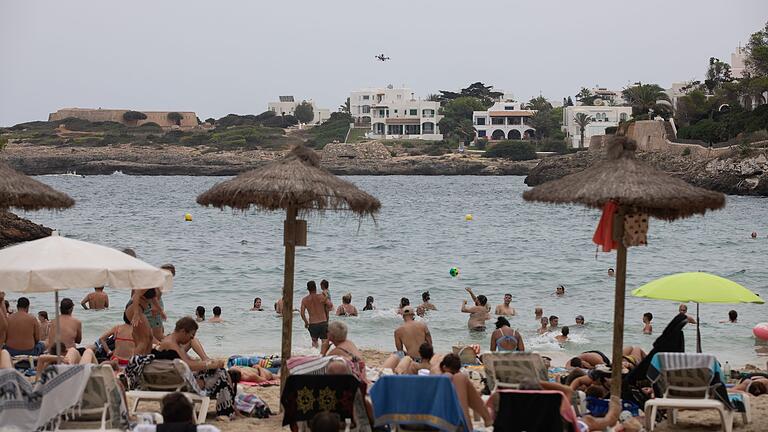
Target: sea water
<point>226,259</point>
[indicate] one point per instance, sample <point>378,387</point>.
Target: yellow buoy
<point>188,217</point>
<point>468,217</point>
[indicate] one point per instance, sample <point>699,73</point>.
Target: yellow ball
<point>188,217</point>
<point>468,217</point>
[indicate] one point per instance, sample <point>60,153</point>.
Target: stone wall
<point>189,120</point>
<point>365,150</point>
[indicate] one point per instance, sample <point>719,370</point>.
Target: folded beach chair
<point>306,395</point>
<point>689,381</point>
<point>413,402</point>
<point>509,369</point>
<point>102,406</point>
<point>531,410</point>
<point>161,377</point>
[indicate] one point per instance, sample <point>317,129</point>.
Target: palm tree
<point>646,97</point>
<point>582,120</point>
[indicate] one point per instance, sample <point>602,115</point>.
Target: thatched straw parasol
<point>296,184</point>
<point>23,192</point>
<point>636,188</point>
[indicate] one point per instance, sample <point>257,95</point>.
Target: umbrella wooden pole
<point>58,324</point>
<point>290,255</point>
<point>698,333</point>
<point>618,308</point>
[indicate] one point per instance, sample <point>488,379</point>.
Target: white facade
<point>738,68</point>
<point>606,96</point>
<point>602,117</point>
<point>395,113</point>
<point>504,120</point>
<point>287,105</point>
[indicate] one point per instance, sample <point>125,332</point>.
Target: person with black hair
<point>199,314</point>
<point>369,304</point>
<point>505,338</point>
<point>71,327</point>
<point>178,416</point>
<point>479,313</point>
<point>216,315</point>
<point>314,312</point>
<point>124,346</point>
<point>136,310</point>
<point>425,297</point>
<point>22,331</point>
<point>468,395</point>
<point>325,421</point>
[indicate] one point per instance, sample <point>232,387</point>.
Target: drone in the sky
<point>382,57</point>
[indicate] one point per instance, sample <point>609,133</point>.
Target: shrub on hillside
<point>134,116</point>
<point>513,150</point>
<point>281,121</point>
<point>175,118</point>
<point>150,127</point>
<point>553,145</point>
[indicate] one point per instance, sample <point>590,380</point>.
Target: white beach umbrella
<point>58,263</point>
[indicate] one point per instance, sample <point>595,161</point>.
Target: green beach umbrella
<point>698,287</point>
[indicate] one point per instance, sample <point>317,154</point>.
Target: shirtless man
<point>346,308</point>
<point>135,310</point>
<point>317,306</point>
<point>97,300</point>
<point>279,306</point>
<point>506,309</point>
<point>71,327</point>
<point>479,313</point>
<point>22,331</point>
<point>683,309</point>
<point>3,317</point>
<point>408,338</point>
<point>216,315</point>
<point>468,395</point>
<point>425,302</point>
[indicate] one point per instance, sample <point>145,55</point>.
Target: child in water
<point>647,327</point>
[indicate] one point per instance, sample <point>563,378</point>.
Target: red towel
<point>604,232</point>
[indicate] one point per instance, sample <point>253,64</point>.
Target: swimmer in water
<point>647,327</point>
<point>346,308</point>
<point>544,325</point>
<point>257,305</point>
<point>538,312</point>
<point>369,304</point>
<point>479,313</point>
<point>754,234</point>
<point>554,322</point>
<point>506,308</point>
<point>425,297</point>
<point>560,291</point>
<point>579,320</point>
<point>563,336</point>
<point>611,272</point>
<point>403,303</point>
<point>733,316</point>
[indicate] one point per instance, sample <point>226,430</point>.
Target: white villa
<point>504,120</point>
<point>602,118</point>
<point>288,104</point>
<point>395,113</point>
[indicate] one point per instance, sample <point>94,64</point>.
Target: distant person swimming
<point>579,320</point>
<point>554,322</point>
<point>369,304</point>
<point>544,325</point>
<point>257,305</point>
<point>403,303</point>
<point>733,317</point>
<point>216,315</point>
<point>754,234</point>
<point>563,336</point>
<point>346,308</point>
<point>538,312</point>
<point>560,290</point>
<point>199,314</point>
<point>647,326</point>
<point>611,272</point>
<point>425,297</point>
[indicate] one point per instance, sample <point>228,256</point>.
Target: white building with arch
<point>504,121</point>
<point>395,113</point>
<point>602,117</point>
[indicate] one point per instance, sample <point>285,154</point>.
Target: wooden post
<point>698,332</point>
<point>618,307</point>
<point>290,255</point>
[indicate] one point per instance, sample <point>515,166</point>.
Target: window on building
<point>366,97</point>
<point>497,120</point>
<point>480,121</point>
<point>623,116</point>
<point>428,128</point>
<point>412,130</point>
<point>509,107</point>
<point>428,113</point>
<point>413,112</point>
<point>366,109</point>
<point>481,134</point>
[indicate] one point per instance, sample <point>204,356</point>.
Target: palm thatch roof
<point>631,183</point>
<point>22,192</point>
<point>296,180</point>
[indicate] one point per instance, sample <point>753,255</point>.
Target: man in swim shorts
<point>505,308</point>
<point>408,338</point>
<point>479,313</point>
<point>317,307</point>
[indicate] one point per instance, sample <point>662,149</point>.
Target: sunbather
<point>427,361</point>
<point>468,395</point>
<point>337,336</point>
<point>72,357</point>
<point>124,345</point>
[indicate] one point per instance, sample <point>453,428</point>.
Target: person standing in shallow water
<point>479,313</point>
<point>97,300</point>
<point>316,306</point>
<point>346,308</point>
<point>369,304</point>
<point>426,305</point>
<point>257,305</point>
<point>506,308</point>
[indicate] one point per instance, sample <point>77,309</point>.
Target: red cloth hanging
<point>604,232</point>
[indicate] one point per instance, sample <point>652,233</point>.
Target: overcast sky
<point>220,57</point>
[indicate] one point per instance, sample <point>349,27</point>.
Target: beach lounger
<point>162,377</point>
<point>413,402</point>
<point>689,381</point>
<point>509,369</point>
<point>102,405</point>
<point>531,410</point>
<point>306,395</point>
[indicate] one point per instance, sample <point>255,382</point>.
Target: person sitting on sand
<point>683,310</point>
<point>369,304</point>
<point>200,314</point>
<point>560,291</point>
<point>124,344</point>
<point>505,309</point>
<point>346,308</point>
<point>425,297</point>
<point>216,315</point>
<point>554,322</point>
<point>337,336</point>
<point>408,338</point>
<point>468,395</point>
<point>97,300</point>
<point>403,303</point>
<point>505,338</point>
<point>72,357</point>
<point>647,326</point>
<point>428,361</point>
<point>538,313</point>
<point>71,327</point>
<point>544,325</point>
<point>22,331</point>
<point>178,415</point>
<point>579,320</point>
<point>479,313</point>
<point>257,305</point>
<point>563,336</point>
<point>733,317</point>
<point>316,306</point>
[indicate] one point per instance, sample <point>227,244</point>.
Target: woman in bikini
<point>505,338</point>
<point>124,345</point>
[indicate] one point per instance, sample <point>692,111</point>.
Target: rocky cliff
<point>732,173</point>
<point>14,229</point>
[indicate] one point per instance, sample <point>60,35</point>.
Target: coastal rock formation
<point>14,229</point>
<point>729,173</point>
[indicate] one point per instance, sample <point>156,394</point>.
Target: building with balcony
<point>602,117</point>
<point>504,120</point>
<point>395,113</point>
<point>288,104</point>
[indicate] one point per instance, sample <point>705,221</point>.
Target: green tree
<point>304,112</point>
<point>586,97</point>
<point>175,118</point>
<point>582,120</point>
<point>210,120</point>
<point>539,103</point>
<point>345,107</point>
<point>134,116</point>
<point>756,59</point>
<point>718,73</point>
<point>457,113</point>
<point>476,90</point>
<point>692,107</point>
<point>646,97</point>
